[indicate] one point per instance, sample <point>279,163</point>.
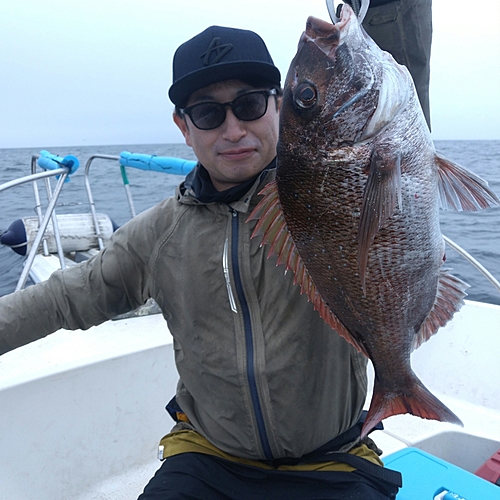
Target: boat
<point>82,412</point>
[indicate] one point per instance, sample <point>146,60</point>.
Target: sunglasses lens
<point>250,107</point>
<point>247,107</point>
<point>208,115</point>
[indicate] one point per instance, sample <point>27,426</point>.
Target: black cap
<point>218,54</point>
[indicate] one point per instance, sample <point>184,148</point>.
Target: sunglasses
<point>247,107</point>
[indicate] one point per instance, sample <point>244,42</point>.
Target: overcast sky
<point>92,72</point>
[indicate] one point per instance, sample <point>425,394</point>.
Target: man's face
<point>237,150</point>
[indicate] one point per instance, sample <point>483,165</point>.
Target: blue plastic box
<point>425,475</point>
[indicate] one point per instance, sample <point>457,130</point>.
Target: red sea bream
<point>354,210</point>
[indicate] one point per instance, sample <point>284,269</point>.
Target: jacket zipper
<point>259,416</point>
<point>225,267</point>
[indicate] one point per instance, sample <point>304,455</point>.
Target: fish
<point>354,208</point>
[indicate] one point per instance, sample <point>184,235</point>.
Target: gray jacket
<point>261,375</point>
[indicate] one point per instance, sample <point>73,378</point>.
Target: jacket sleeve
<point>113,282</point>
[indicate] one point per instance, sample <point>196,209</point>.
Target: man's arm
<point>111,283</point>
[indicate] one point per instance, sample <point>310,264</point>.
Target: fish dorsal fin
<point>462,190</point>
<point>449,299</point>
<point>382,189</point>
<point>272,227</point>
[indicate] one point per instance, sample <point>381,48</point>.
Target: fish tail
<point>417,401</point>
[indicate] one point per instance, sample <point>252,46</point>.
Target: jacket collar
<point>198,189</point>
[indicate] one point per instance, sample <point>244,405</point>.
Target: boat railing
<point>152,163</point>
<point>54,166</point>
<point>61,168</point>
<point>467,256</point>
<point>93,211</point>
<point>163,164</point>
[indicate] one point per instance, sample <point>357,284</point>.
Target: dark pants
<point>404,29</point>
<point>193,476</point>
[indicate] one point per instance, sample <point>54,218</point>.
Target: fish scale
<point>354,209</point>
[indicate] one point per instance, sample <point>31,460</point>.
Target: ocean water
<point>478,233</point>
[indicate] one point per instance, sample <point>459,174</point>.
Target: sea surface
<point>478,233</point>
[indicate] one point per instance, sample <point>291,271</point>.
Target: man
<point>269,398</point>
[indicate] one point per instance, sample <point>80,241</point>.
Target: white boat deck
<point>82,412</point>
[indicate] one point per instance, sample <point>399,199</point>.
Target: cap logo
<point>215,48</point>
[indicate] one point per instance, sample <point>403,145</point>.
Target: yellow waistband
<point>186,441</point>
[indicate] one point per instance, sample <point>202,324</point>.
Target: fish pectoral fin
<point>462,190</point>
<point>449,300</point>
<point>382,190</point>
<point>272,227</point>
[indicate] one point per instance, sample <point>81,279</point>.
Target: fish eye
<point>305,96</point>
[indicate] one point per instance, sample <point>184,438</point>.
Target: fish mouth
<point>325,35</point>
